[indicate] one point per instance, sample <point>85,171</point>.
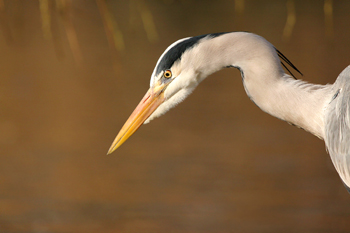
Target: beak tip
<point>111,149</point>
<point>118,141</point>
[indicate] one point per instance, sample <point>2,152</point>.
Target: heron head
<point>174,77</point>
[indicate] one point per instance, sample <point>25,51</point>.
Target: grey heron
<point>323,110</point>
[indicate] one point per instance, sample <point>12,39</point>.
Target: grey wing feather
<point>337,126</point>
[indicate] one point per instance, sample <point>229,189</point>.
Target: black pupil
<point>167,74</point>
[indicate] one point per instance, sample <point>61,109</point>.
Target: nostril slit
<point>146,99</point>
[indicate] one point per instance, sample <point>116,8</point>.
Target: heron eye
<point>167,74</point>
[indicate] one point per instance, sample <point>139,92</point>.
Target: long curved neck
<point>265,82</point>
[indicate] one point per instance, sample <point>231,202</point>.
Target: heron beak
<point>149,103</point>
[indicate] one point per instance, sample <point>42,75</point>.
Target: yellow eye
<point>167,74</point>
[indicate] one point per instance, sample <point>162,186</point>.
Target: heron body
<point>322,110</point>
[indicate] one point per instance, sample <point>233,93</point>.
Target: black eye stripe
<point>175,53</point>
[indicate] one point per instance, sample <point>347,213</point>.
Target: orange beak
<point>149,103</point>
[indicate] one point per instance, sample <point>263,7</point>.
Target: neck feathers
<point>297,102</point>
<point>265,81</point>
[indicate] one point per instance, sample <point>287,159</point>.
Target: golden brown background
<point>71,72</point>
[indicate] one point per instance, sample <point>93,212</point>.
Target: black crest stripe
<point>176,52</point>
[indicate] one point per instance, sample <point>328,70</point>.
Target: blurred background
<point>71,72</point>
